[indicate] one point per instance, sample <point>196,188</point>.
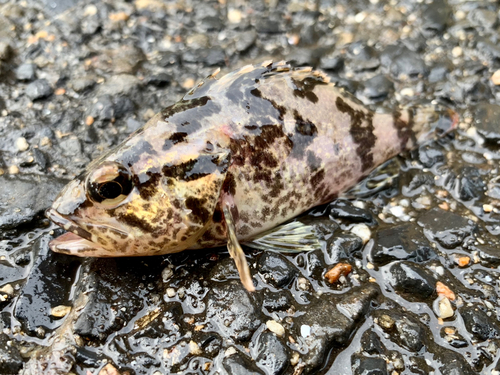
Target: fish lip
<point>76,239</point>
<point>67,224</point>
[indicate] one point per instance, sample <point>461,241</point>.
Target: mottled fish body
<point>234,158</point>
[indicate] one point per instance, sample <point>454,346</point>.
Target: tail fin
<point>431,122</point>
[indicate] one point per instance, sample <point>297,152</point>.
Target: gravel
<point>77,77</point>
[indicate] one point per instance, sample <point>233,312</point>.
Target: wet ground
<point>421,234</point>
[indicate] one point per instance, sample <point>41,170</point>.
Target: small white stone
<point>60,311</point>
<point>360,17</point>
<point>424,200</point>
<point>407,92</point>
<point>7,289</point>
<point>495,78</point>
<point>457,51</point>
<point>234,16</point>
<point>275,327</point>
<point>181,292</point>
<point>442,307</point>
<point>439,270</point>
<point>166,273</point>
<point>194,349</point>
<point>397,211</point>
<point>487,207</point>
<point>370,266</point>
<point>13,169</point>
<point>362,231</point>
<point>40,331</point>
<point>230,351</point>
<point>170,292</point>
<point>305,330</point>
<point>471,132</point>
<point>295,358</point>
<point>303,283</point>
<point>90,10</point>
<point>404,203</point>
<point>460,15</point>
<point>22,144</point>
<point>359,204</point>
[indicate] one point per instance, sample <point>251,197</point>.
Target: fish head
<point>154,203</point>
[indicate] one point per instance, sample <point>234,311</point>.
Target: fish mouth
<point>77,240</point>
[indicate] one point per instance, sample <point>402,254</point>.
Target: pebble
<point>442,307</point>
<point>188,83</point>
<point>7,289</point>
<point>171,292</point>
<point>457,51</point>
<point>303,283</point>
<point>22,144</point>
<point>487,208</point>
<point>39,89</point>
<point>13,169</point>
<point>26,72</point>
<point>462,261</point>
<point>60,311</point>
<point>385,321</point>
<point>121,84</point>
<point>276,269</point>
<point>275,327</point>
<point>305,330</point>
<point>167,273</point>
<point>443,290</point>
<point>6,51</point>
<point>295,359</point>
<point>194,348</point>
<point>89,120</point>
<point>362,231</point>
<point>109,369</point>
<point>340,269</point>
<point>495,78</point>
<point>377,88</point>
<point>411,280</point>
<point>234,15</point>
<point>81,84</point>
<point>445,227</point>
<point>272,354</point>
<point>230,308</point>
<point>407,91</point>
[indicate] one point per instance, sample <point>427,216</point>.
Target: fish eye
<point>110,183</point>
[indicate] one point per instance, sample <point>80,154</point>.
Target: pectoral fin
<point>235,249</point>
<point>292,237</point>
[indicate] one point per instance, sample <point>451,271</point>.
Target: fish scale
<point>233,159</point>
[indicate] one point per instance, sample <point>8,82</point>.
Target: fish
<point>234,159</point>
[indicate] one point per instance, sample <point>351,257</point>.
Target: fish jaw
<point>77,241</point>
<point>73,244</point>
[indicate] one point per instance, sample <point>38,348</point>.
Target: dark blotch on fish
<point>229,185</point>
<point>148,188</point>
<point>183,106</point>
<point>134,221</point>
<point>304,127</point>
<point>362,135</point>
<point>174,139</point>
<point>405,131</point>
<point>304,90</point>
<point>198,210</point>
<point>132,156</point>
<point>280,108</point>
